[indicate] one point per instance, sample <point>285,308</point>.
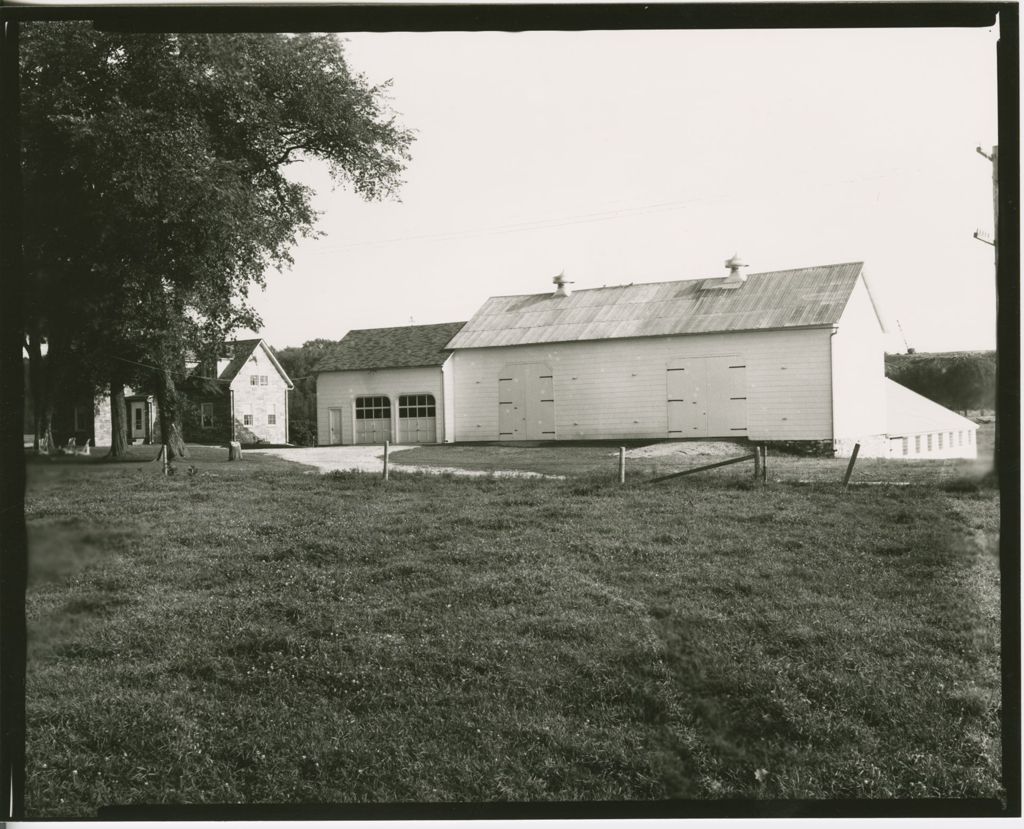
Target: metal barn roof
<point>407,346</point>
<point>775,299</point>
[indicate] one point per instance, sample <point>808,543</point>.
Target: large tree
<point>156,191</point>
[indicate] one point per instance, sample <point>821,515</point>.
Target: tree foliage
<point>156,186</point>
<point>300,362</point>
<point>965,381</point>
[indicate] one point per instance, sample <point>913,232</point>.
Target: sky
<point>645,156</point>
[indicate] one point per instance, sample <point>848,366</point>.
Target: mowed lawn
<point>252,632</point>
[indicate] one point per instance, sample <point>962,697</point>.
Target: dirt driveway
<point>371,459</point>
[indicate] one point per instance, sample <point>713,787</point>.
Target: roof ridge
<point>688,279</point>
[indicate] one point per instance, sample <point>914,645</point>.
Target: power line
<point>586,218</point>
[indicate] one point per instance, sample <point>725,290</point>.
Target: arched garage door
<point>373,419</point>
<point>417,418</point>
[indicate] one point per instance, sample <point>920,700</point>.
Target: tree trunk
<point>44,430</point>
<point>37,388</point>
<point>118,421</point>
<point>169,415</point>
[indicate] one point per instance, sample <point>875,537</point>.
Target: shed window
<point>950,438</point>
<point>373,408</point>
<point>917,444</point>
<point>417,405</point>
<point>906,446</point>
<point>929,443</point>
<point>247,420</point>
<point>940,440</point>
<point>207,415</point>
<point>960,435</point>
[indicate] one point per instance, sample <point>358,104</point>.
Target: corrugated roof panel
<point>776,299</point>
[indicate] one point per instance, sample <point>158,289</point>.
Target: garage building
<point>390,384</point>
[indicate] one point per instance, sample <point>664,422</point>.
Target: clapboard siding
<point>618,388</point>
<point>858,369</point>
<point>339,389</point>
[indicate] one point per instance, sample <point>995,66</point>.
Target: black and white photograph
<point>513,416</point>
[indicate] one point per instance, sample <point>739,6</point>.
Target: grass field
<point>254,633</point>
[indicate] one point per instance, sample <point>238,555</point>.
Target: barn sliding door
<point>707,397</point>
<point>526,402</point>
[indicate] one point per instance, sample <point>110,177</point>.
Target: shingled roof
<point>408,346</point>
<point>775,299</point>
<point>240,351</point>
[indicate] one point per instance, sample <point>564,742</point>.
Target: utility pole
<point>994,242</point>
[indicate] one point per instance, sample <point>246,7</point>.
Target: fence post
<point>622,464</point>
<point>757,463</point>
<point>764,463</point>
<point>387,446</point>
<point>849,468</point>
<point>163,453</point>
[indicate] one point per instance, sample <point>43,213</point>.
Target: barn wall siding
<point>858,368</point>
<point>339,389</point>
<point>617,388</point>
<point>258,401</point>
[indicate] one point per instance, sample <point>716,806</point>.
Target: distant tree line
<point>962,380</point>
<point>300,362</point>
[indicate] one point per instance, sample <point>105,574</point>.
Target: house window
<point>253,380</point>
<point>206,412</point>
<point>940,440</point>
<point>929,443</point>
<point>263,379</point>
<point>247,420</point>
<point>372,408</point>
<point>917,444</point>
<point>417,405</point>
<point>906,446</point>
<point>272,415</point>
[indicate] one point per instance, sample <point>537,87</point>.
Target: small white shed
<point>920,428</point>
<point>383,384</point>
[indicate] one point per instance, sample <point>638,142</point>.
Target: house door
<point>334,426</point>
<point>526,402</point>
<point>137,421</point>
<point>373,419</point>
<point>707,397</point>
<point>417,418</point>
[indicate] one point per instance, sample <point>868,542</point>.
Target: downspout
<point>832,380</point>
<point>287,392</point>
<point>231,395</point>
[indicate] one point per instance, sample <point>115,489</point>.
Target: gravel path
<point>371,459</point>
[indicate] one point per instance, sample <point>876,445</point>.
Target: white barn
<point>781,356</point>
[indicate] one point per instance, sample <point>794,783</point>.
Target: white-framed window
<point>254,379</point>
<point>373,408</point>
<point>917,444</point>
<point>247,420</point>
<point>950,438</point>
<point>940,440</point>
<point>929,443</point>
<point>417,405</point>
<point>206,414</point>
<point>906,446</point>
<point>272,415</point>
<point>961,435</point>
<point>263,379</point>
